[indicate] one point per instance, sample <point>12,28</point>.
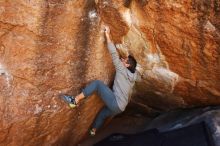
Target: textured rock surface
<point>48,47</point>
<point>177,44</point>
<point>181,54</point>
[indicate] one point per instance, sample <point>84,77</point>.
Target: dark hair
<point>132,62</point>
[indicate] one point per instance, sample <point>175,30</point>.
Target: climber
<point>115,101</point>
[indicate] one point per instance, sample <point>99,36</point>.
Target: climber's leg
<point>102,115</point>
<point>96,85</point>
<point>100,118</point>
<point>104,92</point>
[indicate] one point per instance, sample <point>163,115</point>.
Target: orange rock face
<point>48,48</point>
<point>181,53</point>
<point>57,46</point>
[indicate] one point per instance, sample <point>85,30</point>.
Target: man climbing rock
<point>117,99</point>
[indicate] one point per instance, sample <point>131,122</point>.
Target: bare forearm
<point>107,34</point>
<point>108,38</point>
<point>112,50</point>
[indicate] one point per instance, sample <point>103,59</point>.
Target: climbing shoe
<point>92,132</point>
<point>70,100</point>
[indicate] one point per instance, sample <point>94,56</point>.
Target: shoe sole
<point>91,133</point>
<point>72,105</point>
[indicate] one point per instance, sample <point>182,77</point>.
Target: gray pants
<point>111,107</point>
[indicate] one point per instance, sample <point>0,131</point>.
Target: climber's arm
<point>107,35</point>
<point>112,49</point>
